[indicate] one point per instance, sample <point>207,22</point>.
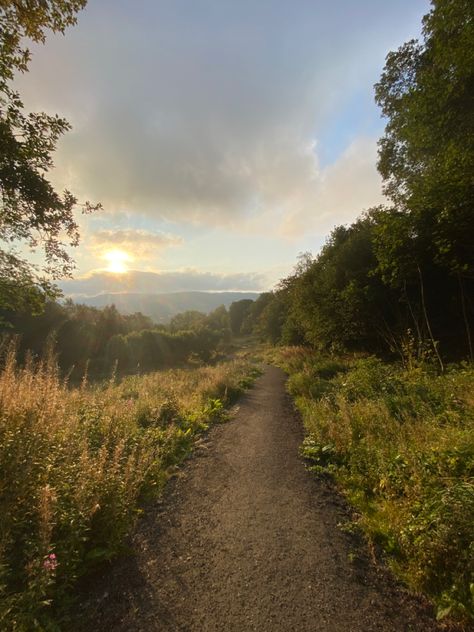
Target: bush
<point>401,445</point>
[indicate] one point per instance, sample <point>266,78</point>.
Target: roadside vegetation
<point>400,444</point>
<point>79,463</point>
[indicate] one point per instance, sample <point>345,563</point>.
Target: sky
<point>222,137</point>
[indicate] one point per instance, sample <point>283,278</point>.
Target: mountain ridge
<point>162,306</point>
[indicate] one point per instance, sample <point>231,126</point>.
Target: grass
<point>401,445</point>
<point>78,464</point>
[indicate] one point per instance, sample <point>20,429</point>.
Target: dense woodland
<point>102,341</point>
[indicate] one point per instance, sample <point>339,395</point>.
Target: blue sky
<point>222,137</point>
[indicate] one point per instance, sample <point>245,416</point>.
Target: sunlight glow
<point>117,260</point>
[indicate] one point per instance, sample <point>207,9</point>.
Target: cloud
<point>136,240</point>
<point>158,282</point>
<point>338,193</point>
<point>209,111</point>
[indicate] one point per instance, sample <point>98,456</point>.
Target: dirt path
<point>246,539</point>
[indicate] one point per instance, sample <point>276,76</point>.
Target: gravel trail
<point>246,539</point>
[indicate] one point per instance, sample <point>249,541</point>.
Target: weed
<point>76,465</point>
<point>400,442</point>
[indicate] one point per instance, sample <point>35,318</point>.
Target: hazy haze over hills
<point>148,282</point>
<point>162,307</point>
<point>162,295</point>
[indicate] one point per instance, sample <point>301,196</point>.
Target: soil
<point>245,538</point>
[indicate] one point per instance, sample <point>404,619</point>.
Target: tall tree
<point>32,213</point>
<point>426,155</point>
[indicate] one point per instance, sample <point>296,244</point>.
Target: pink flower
<point>50,563</point>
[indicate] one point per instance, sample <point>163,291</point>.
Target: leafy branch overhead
<point>32,213</point>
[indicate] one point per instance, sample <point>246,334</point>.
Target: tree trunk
<point>428,325</point>
<point>466,319</point>
<point>415,321</point>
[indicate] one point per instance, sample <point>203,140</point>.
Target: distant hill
<point>162,307</point>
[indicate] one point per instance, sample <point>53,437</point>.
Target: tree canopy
<point>33,215</point>
<point>427,152</point>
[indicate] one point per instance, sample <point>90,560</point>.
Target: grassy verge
<point>77,464</point>
<point>401,446</point>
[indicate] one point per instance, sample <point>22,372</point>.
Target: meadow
<point>79,464</point>
<point>400,445</point>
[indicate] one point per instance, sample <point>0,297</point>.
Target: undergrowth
<point>77,465</point>
<point>401,445</point>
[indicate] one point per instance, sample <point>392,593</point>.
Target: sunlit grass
<point>76,465</point>
<point>401,445</point>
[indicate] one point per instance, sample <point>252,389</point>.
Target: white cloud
<point>207,112</point>
<point>338,193</point>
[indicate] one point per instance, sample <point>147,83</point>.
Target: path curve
<point>246,539</point>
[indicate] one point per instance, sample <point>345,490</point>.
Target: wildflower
<point>50,563</point>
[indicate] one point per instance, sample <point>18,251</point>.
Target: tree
<point>426,155</point>
<point>339,299</point>
<point>238,311</point>
<point>190,320</point>
<point>272,317</point>
<point>218,319</point>
<point>427,152</point>
<point>32,213</point>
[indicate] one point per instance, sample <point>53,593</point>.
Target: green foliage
<point>427,152</point>
<point>401,444</point>
<point>187,321</point>
<point>373,288</point>
<point>399,280</point>
<point>98,341</point>
<point>32,212</point>
<point>427,158</point>
<point>238,313</point>
<point>439,536</point>
<point>323,458</point>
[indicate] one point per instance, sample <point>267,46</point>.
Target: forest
<point>100,341</point>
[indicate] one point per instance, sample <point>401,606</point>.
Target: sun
<point>117,260</point>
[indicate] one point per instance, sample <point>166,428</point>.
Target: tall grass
<point>76,465</point>
<point>401,444</point>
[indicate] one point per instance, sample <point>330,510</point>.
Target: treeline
<point>400,279</point>
<point>102,340</point>
<point>353,297</point>
<point>191,333</point>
